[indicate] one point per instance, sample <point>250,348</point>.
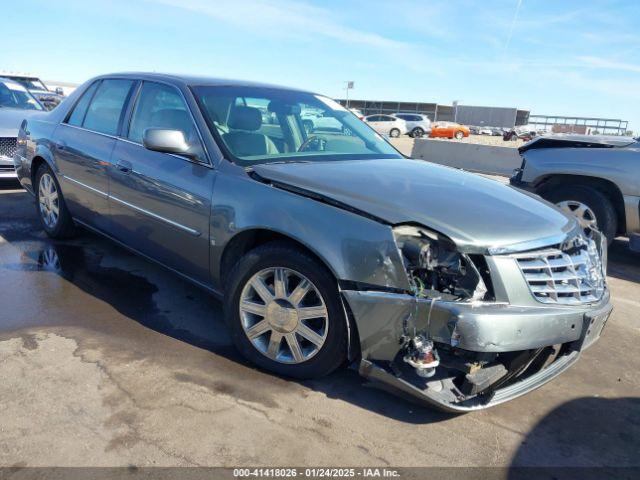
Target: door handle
<point>123,166</point>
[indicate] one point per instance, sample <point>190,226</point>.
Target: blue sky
<point>570,57</point>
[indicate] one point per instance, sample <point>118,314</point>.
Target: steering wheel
<point>321,142</point>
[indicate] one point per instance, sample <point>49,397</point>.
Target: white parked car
<point>387,125</point>
<point>418,125</point>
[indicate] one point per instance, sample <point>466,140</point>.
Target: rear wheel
<point>52,209</point>
<point>394,133</point>
<point>459,135</point>
<point>285,313</point>
<point>417,132</point>
<point>590,206</point>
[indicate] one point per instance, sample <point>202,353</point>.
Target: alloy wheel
<point>284,315</point>
<point>49,201</point>
<point>584,214</point>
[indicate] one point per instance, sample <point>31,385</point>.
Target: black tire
<point>458,135</point>
<point>333,352</point>
<point>394,133</point>
<point>417,133</point>
<point>64,227</point>
<point>597,201</point>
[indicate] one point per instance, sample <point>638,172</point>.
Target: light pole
<point>349,86</point>
<point>455,111</point>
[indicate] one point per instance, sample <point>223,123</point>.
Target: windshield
<point>266,125</point>
<point>13,95</point>
<point>30,83</point>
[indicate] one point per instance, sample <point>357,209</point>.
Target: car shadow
<point>586,438</point>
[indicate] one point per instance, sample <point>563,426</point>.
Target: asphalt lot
<point>107,359</point>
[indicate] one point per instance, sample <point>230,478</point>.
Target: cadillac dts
<point>327,246</point>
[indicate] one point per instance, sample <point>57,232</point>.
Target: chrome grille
<point>571,274</point>
<point>8,146</point>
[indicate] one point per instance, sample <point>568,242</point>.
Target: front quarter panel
<point>355,248</point>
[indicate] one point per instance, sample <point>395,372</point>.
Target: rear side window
<point>103,114</point>
<point>79,111</point>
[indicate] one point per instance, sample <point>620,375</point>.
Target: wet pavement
<point>108,359</point>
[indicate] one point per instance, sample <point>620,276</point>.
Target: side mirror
<point>59,91</point>
<point>166,141</point>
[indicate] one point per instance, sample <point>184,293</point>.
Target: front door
<point>160,203</point>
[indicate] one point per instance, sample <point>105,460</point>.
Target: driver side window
<point>162,106</point>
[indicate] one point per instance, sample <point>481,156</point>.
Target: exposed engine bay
<point>438,272</point>
<point>435,267</point>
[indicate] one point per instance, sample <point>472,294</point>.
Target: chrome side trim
<point>85,186</point>
<point>89,131</point>
<point>184,228</point>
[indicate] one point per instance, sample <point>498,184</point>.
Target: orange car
<point>448,130</point>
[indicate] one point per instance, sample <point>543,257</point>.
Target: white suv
<point>387,125</point>
<point>418,125</point>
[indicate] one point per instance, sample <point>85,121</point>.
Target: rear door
<point>160,203</point>
<point>83,146</point>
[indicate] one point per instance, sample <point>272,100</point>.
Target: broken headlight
<point>435,267</point>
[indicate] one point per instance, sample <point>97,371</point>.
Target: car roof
<point>10,81</point>
<point>193,80</point>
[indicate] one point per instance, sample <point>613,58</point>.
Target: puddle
<point>131,293</point>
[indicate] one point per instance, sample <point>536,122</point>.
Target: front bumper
<point>381,318</point>
<point>7,168</point>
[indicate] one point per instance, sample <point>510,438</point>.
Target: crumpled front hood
<point>475,212</point>
<point>11,118</point>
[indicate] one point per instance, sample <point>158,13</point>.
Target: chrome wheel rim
<point>584,214</point>
<point>48,200</point>
<point>284,315</point>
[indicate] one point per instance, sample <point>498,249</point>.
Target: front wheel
<point>52,209</point>
<point>459,135</point>
<point>285,313</point>
<point>394,133</point>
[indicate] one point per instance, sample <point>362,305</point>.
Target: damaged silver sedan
<point>327,246</point>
